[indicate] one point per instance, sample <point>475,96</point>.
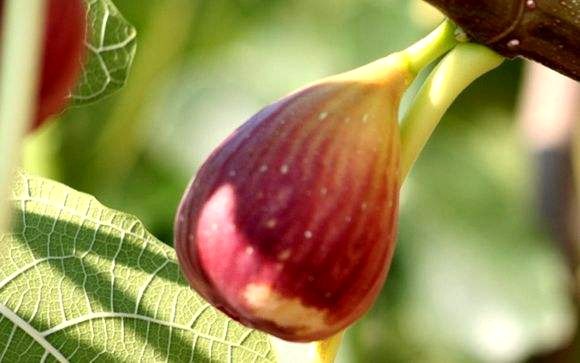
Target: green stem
<point>22,31</point>
<point>454,74</point>
<point>431,47</point>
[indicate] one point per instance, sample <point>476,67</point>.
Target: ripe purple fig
<point>289,226</point>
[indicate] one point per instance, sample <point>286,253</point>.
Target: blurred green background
<point>474,278</point>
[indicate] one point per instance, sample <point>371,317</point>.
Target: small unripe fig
<point>289,226</point>
<point>63,53</point>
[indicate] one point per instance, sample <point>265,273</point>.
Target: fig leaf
<point>80,282</point>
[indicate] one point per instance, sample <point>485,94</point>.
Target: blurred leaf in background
<point>111,50</point>
<point>473,279</point>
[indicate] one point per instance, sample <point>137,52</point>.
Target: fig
<point>62,58</point>
<point>289,226</point>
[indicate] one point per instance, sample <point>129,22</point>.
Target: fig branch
<point>19,73</point>
<point>546,31</point>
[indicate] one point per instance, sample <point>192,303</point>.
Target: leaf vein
<point>111,315</point>
<point>30,330</point>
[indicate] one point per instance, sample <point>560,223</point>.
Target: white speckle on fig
<point>271,223</point>
<point>284,255</point>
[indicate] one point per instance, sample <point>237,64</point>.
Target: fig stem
<point>431,47</point>
<point>464,64</point>
<point>21,40</point>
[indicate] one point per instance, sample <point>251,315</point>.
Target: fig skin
<point>289,226</point>
<point>62,57</point>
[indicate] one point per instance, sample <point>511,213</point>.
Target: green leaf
<point>111,45</point>
<point>81,282</point>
